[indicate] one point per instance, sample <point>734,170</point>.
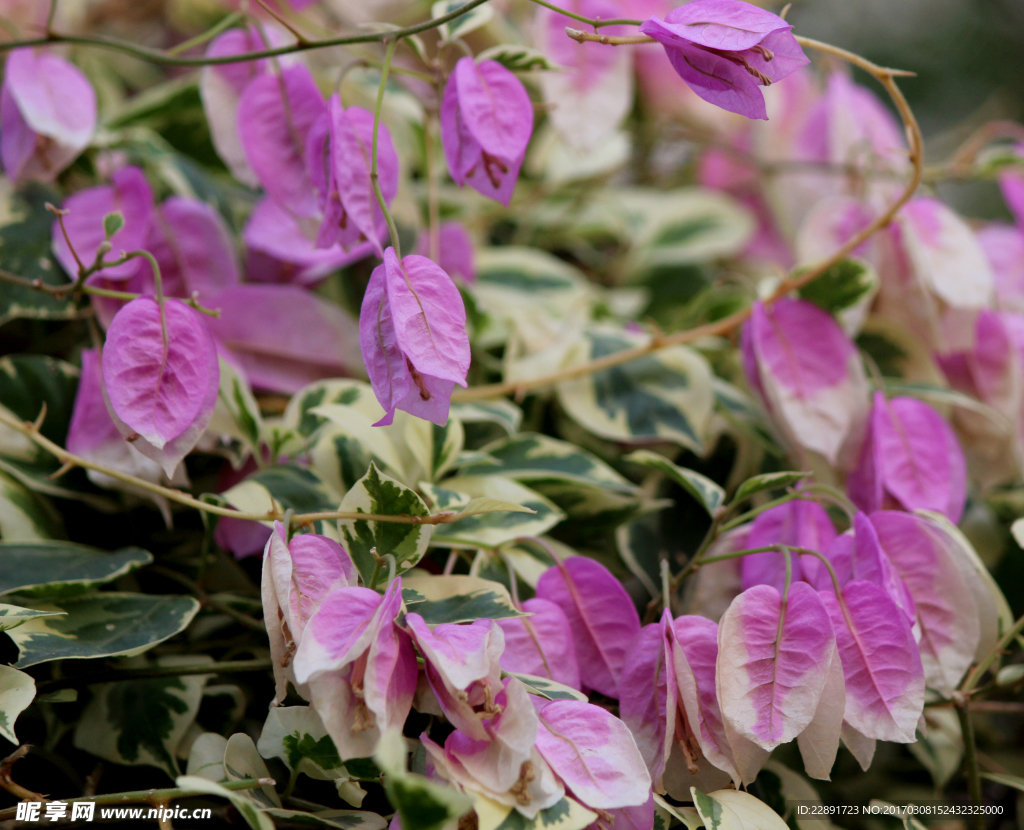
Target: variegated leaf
<point>17,690</point>
<point>493,529</point>
<point>709,494</point>
<point>63,568</point>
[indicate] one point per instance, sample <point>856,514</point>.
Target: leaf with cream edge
<point>17,691</point>
<point>160,395</point>
<point>482,526</point>
<point>819,742</point>
<point>297,736</point>
<point>602,617</point>
<point>377,493</point>
<point>593,753</point>
<point>43,569</point>
<point>456,598</point>
<point>541,645</point>
<point>807,372</point>
<point>773,662</point>
<point>735,810</point>
<point>881,662</point>
<point>947,614</point>
<point>11,616</point>
<point>708,493</point>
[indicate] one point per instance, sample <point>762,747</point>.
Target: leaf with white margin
<point>283,487</point>
<point>766,481</point>
<point>17,691</point>
<point>665,395</point>
<point>530,560</point>
<point>44,569</point>
<point>493,529</point>
<point>421,803</point>
<point>456,598</point>
<point>546,687</point>
<point>241,761</point>
<point>819,742</point>
<point>379,494</point>
<point>344,447</point>
<point>206,756</point>
<point>531,456</point>
<point>773,661</point>
<point>11,616</point>
<point>142,722</point>
<point>435,448</point>
<point>688,816</point>
<point>881,662</point>
<point>940,746</point>
<point>256,819</point>
<point>236,413</point>
<point>353,394</point>
<point>735,810</point>
<point>101,625</point>
<point>463,24</point>
<point>501,412</point>
<point>440,499</point>
<point>24,517</point>
<point>708,493</point>
<point>518,58</point>
<point>297,736</point>
<point>567,814</point>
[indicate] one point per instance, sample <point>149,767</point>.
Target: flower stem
<point>374,176</point>
<point>970,759</point>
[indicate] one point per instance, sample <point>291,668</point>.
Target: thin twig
<point>9,784</point>
<point>970,759</point>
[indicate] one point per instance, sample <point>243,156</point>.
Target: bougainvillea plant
<point>497,415</point>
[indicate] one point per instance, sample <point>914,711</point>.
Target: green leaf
<point>237,414</point>
<point>842,286</point>
<point>462,25</point>
<point>357,394</point>
<point>735,810</point>
<point>710,495</point>
<point>492,529</point>
<point>548,688</point>
<point>17,690</point>
<point>25,249</point>
<point>256,819</point>
<point>567,814</point>
<point>11,616</point>
<point>241,761</point>
<point>665,395</point>
<point>112,223</point>
<point>297,736</point>
<point>24,515</point>
<point>767,481</point>
<point>435,448</point>
<point>421,803</point>
<point>518,58</point>
<point>456,598</point>
<point>378,494</point>
<point>642,548</point>
<point>687,816</point>
<point>530,456</point>
<point>737,407</point>
<point>45,569</point>
<point>142,722</point>
<point>27,383</point>
<point>939,748</point>
<point>101,625</point>
<point>441,499</point>
<point>1013,781</point>
<point>502,413</point>
<point>484,505</point>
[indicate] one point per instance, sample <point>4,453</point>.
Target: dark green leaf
<point>112,223</point>
<point>62,568</point>
<point>841,286</point>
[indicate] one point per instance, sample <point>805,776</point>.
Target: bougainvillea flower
<point>221,87</point>
<point>128,193</point>
<point>947,614</point>
<point>819,741</point>
<point>463,669</point>
<point>593,92</point>
<point>726,50</point>
<point>278,250</point>
<point>92,433</point>
<point>339,151</point>
<point>486,123</point>
<point>161,393</point>
<point>881,662</point>
<point>593,753</point>
<point>297,576</point>
<point>360,667</point>
<point>455,250</point>
<point>47,115</point>
<point>911,459</point>
<point>412,329</point>
<point>602,617</point>
<point>799,524</point>
<point>275,116</point>
<point>504,765</point>
<point>283,337</point>
<point>540,645</point>
<point>807,372</point>
<point>773,661</point>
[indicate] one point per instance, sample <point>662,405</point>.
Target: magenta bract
<point>601,615</point>
<point>486,123</point>
<point>540,645</point>
<point>800,524</point>
<point>161,393</point>
<point>47,115</point>
<point>412,330</point>
<point>455,250</point>
<point>726,50</point>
